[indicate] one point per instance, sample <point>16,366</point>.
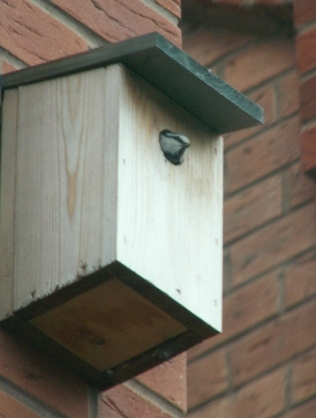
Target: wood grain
<point>108,325</point>
<point>113,256</point>
<point>170,217</point>
<point>66,182</point>
<point>93,188</point>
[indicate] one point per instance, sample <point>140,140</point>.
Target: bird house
<point>111,254</point>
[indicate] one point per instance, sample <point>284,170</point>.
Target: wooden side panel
<point>170,217</point>
<point>66,178</point>
<point>8,179</point>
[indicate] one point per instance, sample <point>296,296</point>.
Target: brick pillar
<point>264,363</point>
<point>31,384</point>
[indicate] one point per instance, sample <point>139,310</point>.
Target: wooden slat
<point>170,217</point>
<point>166,67</point>
<point>65,203</point>
<point>8,185</point>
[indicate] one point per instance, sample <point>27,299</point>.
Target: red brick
<point>123,402</point>
<point>308,144</point>
<point>262,399</point>
<point>116,20</point>
<point>259,63</point>
<point>308,100</point>
<point>168,380</point>
<point>7,67</point>
<point>288,97</point>
<point>43,378</point>
<point>299,279</point>
<point>264,97</point>
<point>252,207</point>
<point>11,408</point>
<point>207,377</point>
<point>307,410</point>
<point>210,44</point>
<point>302,187</point>
<point>274,343</point>
<point>273,244</point>
<point>304,377</point>
<point>304,11</point>
<point>240,311</point>
<point>33,35</point>
<point>306,50</point>
<point>173,6</point>
<point>226,270</point>
<point>107,411</point>
<point>265,153</point>
<point>215,409</point>
<point>204,346</point>
<point>239,314</point>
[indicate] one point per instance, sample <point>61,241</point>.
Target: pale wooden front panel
<point>65,182</point>
<point>8,164</point>
<point>170,217</point>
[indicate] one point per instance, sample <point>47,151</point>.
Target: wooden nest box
<point>111,256</point>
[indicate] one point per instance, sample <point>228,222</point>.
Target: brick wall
<point>305,22</point>
<point>32,385</point>
<point>264,363</point>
